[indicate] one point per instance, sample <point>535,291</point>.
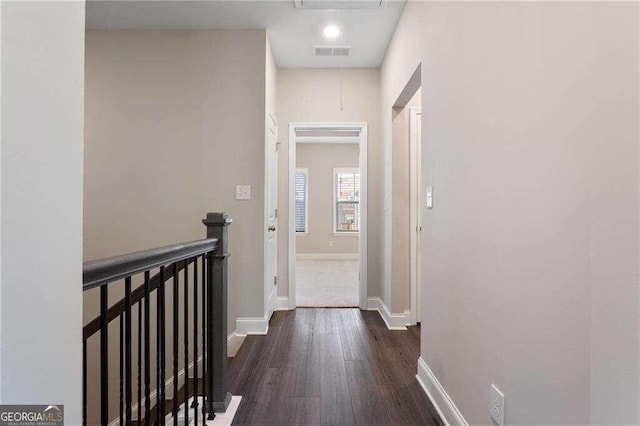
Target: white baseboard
<point>234,341</point>
<point>226,418</point>
<point>443,404</point>
<point>272,300</point>
<point>407,316</point>
<point>327,256</point>
<point>372,303</point>
<point>259,326</point>
<point>283,304</point>
<point>393,321</point>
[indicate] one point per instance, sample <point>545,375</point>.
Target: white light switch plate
<point>243,192</point>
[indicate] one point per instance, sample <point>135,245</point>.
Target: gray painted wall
<point>530,141</point>
<point>174,121</point>
<point>172,125</point>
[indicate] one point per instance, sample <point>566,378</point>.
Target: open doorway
<point>327,227</point>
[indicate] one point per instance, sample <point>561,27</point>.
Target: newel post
<point>217,394</point>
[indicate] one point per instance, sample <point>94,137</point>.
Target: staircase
<point>174,311</point>
<point>179,402</point>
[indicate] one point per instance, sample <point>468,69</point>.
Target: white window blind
<point>301,192</point>
<point>347,200</point>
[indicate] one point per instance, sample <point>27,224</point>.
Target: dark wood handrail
<point>137,295</point>
<point>101,272</point>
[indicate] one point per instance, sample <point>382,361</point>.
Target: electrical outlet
<point>330,243</point>
<point>496,406</point>
<point>243,192</point>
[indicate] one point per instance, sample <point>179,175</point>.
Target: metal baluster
<point>186,342</point>
<point>139,362</point>
<point>204,339</point>
<point>84,382</point>
<point>127,356</point>
<point>104,356</point>
<point>175,317</point>
<point>121,365</point>
<point>147,352</point>
<point>195,340</point>
<point>163,354</point>
<point>210,341</point>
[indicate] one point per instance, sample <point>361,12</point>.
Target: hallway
<point>330,366</point>
<point>327,283</point>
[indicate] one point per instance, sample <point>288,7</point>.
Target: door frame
<point>270,293</point>
<point>361,128</point>
<point>415,215</point>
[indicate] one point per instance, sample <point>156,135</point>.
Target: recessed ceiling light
<point>331,31</point>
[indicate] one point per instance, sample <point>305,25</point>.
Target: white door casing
<point>271,218</point>
<point>415,183</point>
<point>361,128</point>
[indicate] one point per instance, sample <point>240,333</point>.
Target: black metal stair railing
<point>202,302</point>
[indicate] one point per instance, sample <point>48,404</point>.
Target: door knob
<point>271,228</point>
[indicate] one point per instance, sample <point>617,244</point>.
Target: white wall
<point>42,47</point>
<point>320,159</point>
<point>271,181</point>
<point>313,95</point>
<point>271,80</point>
<point>530,141</point>
<point>1,344</point>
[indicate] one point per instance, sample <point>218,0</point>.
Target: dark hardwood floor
<point>330,367</point>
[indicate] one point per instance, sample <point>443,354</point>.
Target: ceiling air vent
<point>340,4</point>
<point>331,50</point>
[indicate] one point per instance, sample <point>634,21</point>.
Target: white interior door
<point>271,213</point>
<point>415,152</point>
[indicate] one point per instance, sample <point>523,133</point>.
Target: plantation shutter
<point>301,200</point>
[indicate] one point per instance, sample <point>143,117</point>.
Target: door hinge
<point>275,213</point>
<point>275,280</point>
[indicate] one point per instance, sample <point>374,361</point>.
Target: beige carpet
<point>327,283</point>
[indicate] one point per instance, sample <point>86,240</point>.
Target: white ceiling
<point>292,31</point>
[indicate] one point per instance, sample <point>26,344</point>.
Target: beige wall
<point>172,126</point>
<point>174,121</point>
<point>313,95</point>
<point>530,141</point>
<point>42,77</point>
<point>320,160</point>
<point>398,296</point>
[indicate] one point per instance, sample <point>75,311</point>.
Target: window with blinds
<point>301,192</point>
<point>346,198</point>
